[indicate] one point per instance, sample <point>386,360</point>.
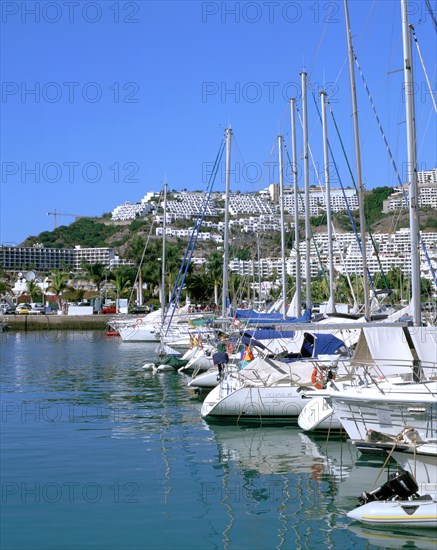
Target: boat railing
<point>381,372</point>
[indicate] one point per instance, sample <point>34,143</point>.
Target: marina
<point>269,385</point>
<point>98,453</point>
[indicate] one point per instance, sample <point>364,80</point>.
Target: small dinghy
<point>397,503</point>
<point>317,415</point>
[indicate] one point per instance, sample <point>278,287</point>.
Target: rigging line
<point>428,5</point>
<point>357,41</point>
<point>189,252</point>
<point>332,225</point>
<point>177,289</point>
<point>312,234</point>
<point>393,163</point>
<point>144,253</point>
<point>419,147</point>
<point>347,203</point>
<point>319,47</point>
<point>423,67</point>
<point>342,188</point>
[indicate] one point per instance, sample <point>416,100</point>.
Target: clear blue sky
<point>126,94</point>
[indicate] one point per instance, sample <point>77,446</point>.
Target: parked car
<point>37,308</point>
<point>23,309</point>
<point>6,309</point>
<point>140,309</point>
<point>109,309</point>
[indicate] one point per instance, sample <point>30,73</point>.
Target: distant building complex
<point>41,258</point>
<point>427,181</point>
<point>253,213</point>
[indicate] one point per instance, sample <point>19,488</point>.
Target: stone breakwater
<point>54,322</point>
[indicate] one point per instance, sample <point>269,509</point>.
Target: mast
<point>228,134</point>
<point>306,174</point>
<point>358,164</point>
<point>164,236</point>
<point>281,206</point>
<point>298,297</point>
<point>412,165</point>
<point>331,302</point>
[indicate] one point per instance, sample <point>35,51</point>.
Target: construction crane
<point>55,213</point>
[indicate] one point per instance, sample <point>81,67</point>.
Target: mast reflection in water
<point>98,454</point>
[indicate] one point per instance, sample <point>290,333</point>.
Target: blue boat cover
<point>313,345</point>
<point>251,316</point>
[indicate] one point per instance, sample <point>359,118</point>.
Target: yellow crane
<point>55,213</point>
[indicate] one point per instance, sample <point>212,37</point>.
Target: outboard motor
<point>399,486</point>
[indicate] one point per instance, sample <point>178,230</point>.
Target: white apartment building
<point>427,177</point>
<point>41,258</point>
<point>251,203</point>
<point>427,183</point>
<point>393,250</point>
<point>318,201</point>
<point>128,211</point>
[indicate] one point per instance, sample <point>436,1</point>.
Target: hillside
<point>128,238</point>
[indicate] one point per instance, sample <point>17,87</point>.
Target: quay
<point>54,322</point>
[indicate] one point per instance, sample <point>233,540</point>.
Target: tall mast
<point>298,297</point>
<point>164,237</point>
<point>331,302</point>
<point>412,165</point>
<point>228,134</point>
<point>358,164</point>
<point>306,175</point>
<point>281,206</point>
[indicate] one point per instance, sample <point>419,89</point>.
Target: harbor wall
<point>54,322</point>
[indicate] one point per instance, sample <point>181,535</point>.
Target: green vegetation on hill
<point>128,239</point>
<point>85,232</point>
<point>373,203</point>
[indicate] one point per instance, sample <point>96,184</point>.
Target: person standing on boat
<point>220,358</point>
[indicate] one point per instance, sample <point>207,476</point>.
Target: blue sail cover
<point>317,344</point>
<point>327,344</point>
<point>252,316</point>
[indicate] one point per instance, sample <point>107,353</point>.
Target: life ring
<point>230,348</point>
<point>139,321</point>
<point>317,379</point>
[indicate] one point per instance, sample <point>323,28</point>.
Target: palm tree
<point>214,267</point>
<point>199,285</point>
<point>33,289</point>
<point>121,282</point>
<point>5,288</point>
<point>97,274</point>
<point>58,285</point>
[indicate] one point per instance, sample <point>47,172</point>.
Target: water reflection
<point>424,539</point>
<point>279,450</point>
<point>88,412</point>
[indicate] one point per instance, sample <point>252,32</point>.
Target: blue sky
<point>102,101</point>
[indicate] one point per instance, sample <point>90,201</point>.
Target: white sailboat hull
<point>399,406</point>
<point>281,401</point>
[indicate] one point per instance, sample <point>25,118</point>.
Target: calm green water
<point>98,454</point>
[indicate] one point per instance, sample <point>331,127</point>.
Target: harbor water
<point>97,453</point>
